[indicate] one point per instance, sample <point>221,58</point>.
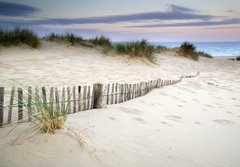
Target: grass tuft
<point>238,58</point>
<point>68,37</point>
<point>101,41</point>
<point>18,36</point>
<point>203,54</point>
<point>136,49</point>
<point>47,115</point>
<point>188,50</point>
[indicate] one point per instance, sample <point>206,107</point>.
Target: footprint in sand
<point>208,105</point>
<point>165,123</point>
<point>183,101</point>
<point>180,106</point>
<point>223,121</point>
<point>174,118</point>
<point>233,98</point>
<point>112,118</point>
<point>198,123</point>
<point>194,99</point>
<point>139,120</point>
<point>130,110</point>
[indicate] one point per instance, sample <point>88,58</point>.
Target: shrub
<point>47,115</point>
<point>136,49</point>
<point>203,54</point>
<point>68,37</point>
<point>188,50</point>
<point>101,41</point>
<point>238,58</point>
<point>161,48</point>
<point>18,36</point>
<point>108,49</point>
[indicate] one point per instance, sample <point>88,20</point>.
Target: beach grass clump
<point>161,48</point>
<point>188,49</point>
<point>68,37</point>
<point>48,116</point>
<point>238,58</point>
<point>204,54</point>
<point>101,41</point>
<point>136,49</point>
<point>19,36</point>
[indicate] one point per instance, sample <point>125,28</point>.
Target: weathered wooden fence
<point>16,105</point>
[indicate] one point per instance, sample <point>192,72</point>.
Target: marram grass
<point>49,116</point>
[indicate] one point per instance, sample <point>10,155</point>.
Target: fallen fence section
<point>77,98</point>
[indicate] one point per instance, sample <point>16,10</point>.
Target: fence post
<point>20,104</point>
<point>112,96</point>
<point>30,104</point>
<point>69,99</point>
<point>108,90</point>
<point>11,105</point>
<point>116,93</point>
<point>97,95</point>
<point>84,98</point>
<point>1,105</point>
<point>79,98</point>
<point>88,98</point>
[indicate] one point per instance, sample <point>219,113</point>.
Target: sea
<point>212,48</point>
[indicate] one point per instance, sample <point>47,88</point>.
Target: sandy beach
<point>194,123</point>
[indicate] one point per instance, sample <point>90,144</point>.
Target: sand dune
<point>193,123</point>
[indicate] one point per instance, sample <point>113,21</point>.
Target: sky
<point>128,20</point>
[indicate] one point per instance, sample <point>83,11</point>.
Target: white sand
<point>193,123</point>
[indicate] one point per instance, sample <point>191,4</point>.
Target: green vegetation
<point>136,49</point>
<point>101,41</point>
<point>68,37</point>
<point>161,48</point>
<point>203,54</point>
<point>18,36</point>
<point>188,50</point>
<point>48,116</point>
<point>238,58</point>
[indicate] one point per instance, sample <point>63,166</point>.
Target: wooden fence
<point>16,105</point>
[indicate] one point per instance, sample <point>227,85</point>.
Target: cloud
<point>15,9</point>
<point>200,23</point>
<point>173,13</point>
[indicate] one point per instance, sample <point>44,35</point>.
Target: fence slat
<point>88,98</point>
<point>137,89</point>
<point>63,100</point>
<point>125,93</point>
<point>84,97</point>
<point>116,92</point>
<point>51,97</point>
<point>11,105</point>
<point>97,96</point>
<point>20,104</point>
<point>108,90</point>
<point>57,100</point>
<point>79,98</point>
<point>74,99</point>
<point>112,96</point>
<point>29,105</point>
<point>69,99</point>
<point>44,97</point>
<point>1,105</point>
